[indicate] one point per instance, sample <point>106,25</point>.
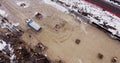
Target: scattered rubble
<point>114,60</point>
<point>23,4</point>
<point>4,58</point>
<point>38,15</point>
<point>14,50</point>
<point>4,23</point>
<point>115,2</point>
<point>40,47</point>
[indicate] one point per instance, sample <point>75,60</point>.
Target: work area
<point>49,35</point>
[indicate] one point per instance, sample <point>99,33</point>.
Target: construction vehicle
<point>33,25</point>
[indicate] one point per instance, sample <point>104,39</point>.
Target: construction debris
<point>57,27</point>
<point>58,61</point>
<point>100,56</point>
<point>40,47</point>
<point>114,60</point>
<point>38,15</point>
<point>4,58</point>
<point>4,23</point>
<point>14,50</point>
<point>77,41</point>
<point>23,4</point>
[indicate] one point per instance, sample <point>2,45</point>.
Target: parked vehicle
<point>33,25</point>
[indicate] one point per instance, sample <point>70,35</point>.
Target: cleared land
<point>61,42</point>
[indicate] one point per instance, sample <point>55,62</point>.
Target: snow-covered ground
<point>112,2</point>
<point>23,4</point>
<point>3,45</point>
<point>3,13</point>
<point>56,5</point>
<point>95,14</point>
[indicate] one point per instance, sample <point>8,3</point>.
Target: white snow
<point>10,26</point>
<point>12,55</point>
<point>23,2</point>
<point>2,44</point>
<point>56,5</point>
<point>15,24</point>
<point>3,13</point>
<point>113,2</point>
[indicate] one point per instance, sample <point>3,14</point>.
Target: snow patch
<point>3,13</point>
<point>23,4</point>
<point>59,7</point>
<point>2,44</point>
<point>15,24</point>
<point>113,2</point>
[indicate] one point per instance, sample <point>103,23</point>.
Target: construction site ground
<point>60,42</point>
